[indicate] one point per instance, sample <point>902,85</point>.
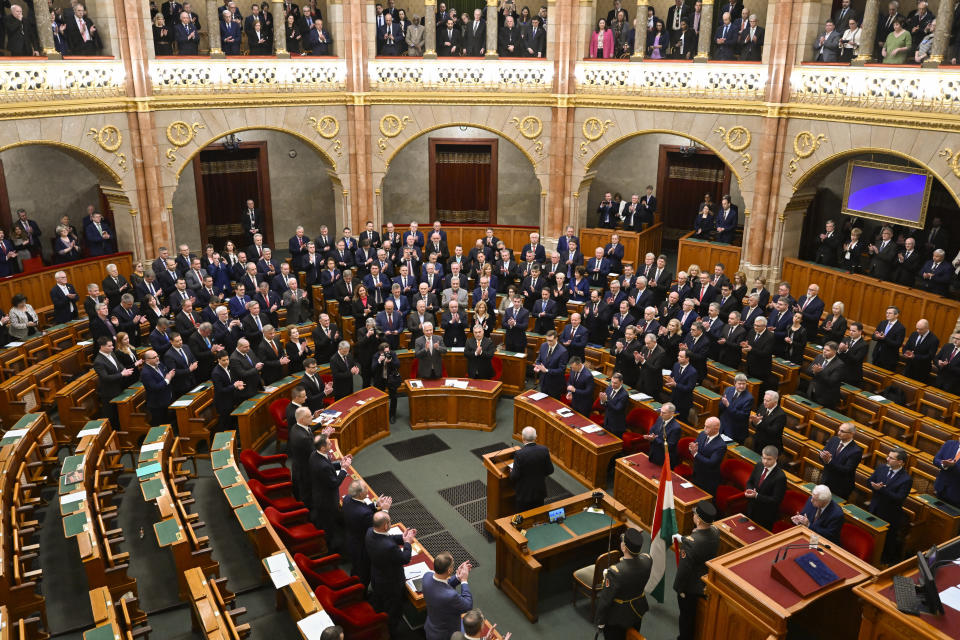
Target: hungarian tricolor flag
<point>661,534</point>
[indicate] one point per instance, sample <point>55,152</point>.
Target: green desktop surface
<point>747,453</point>
<point>545,535</point>
<point>586,522</point>
<point>103,632</point>
<point>154,435</point>
<point>238,495</point>
<point>168,532</point>
<point>74,523</point>
<point>865,516</point>
<point>227,476</point>
<point>221,440</point>
<point>151,489</point>
<point>940,505</point>
<point>220,459</point>
<point>250,517</point>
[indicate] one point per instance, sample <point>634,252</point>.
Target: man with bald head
<point>531,466</point>
<point>919,351</point>
<point>156,381</point>
<point>358,517</point>
<point>708,451</point>
<point>388,555</point>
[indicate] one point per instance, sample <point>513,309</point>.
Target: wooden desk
<point>737,531</point>
<point>513,367</point>
<point>692,250</point>
<point>881,618</point>
<point>364,419</point>
<point>254,422</point>
<point>941,521</point>
<point>585,456</point>
<point>636,482</point>
<point>436,406</point>
<point>521,555</point>
<point>206,611</point>
<point>745,603</point>
<point>500,493</point>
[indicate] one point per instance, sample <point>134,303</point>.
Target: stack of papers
<point>153,446</point>
<point>666,372</point>
<point>593,428</point>
<point>880,399</point>
<point>456,384</point>
<point>537,396</point>
<point>725,437</point>
<point>394,531</point>
<point>314,625</point>
<point>92,431</point>
<point>279,568</point>
<point>456,349</point>
<point>70,498</point>
<point>565,413</point>
<point>951,597</point>
<point>416,384</point>
<point>414,571</point>
<point>640,397</point>
<point>326,417</point>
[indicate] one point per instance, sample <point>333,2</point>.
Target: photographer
<point>386,375</point>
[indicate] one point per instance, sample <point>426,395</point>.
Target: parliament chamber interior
<point>358,319</point>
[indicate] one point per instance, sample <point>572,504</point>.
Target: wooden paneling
<point>466,235</point>
<point>866,298</point>
<point>707,254</point>
<point>635,245</point>
<point>36,286</point>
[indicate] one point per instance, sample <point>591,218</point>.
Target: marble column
<point>640,32</point>
<point>430,29</point>
<point>706,32</point>
<point>279,29</point>
<point>213,28</point>
<point>868,33</point>
<point>941,36</point>
<point>44,30</point>
<point>493,30</point>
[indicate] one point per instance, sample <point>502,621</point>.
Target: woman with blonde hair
<point>124,352</point>
<point>481,317</point>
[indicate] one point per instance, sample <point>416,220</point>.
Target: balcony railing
<point>673,79</point>
<point>29,81</point>
<point>897,88</point>
<point>399,74</point>
<point>203,75</point>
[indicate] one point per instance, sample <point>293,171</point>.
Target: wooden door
<point>225,180</point>
<point>682,179</point>
<point>463,180</point>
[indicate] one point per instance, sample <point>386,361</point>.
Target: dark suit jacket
<point>185,45</point>
<point>682,396</point>
<point>473,44</point>
<point>706,464</point>
<point>650,381</point>
<point>515,338</point>
<point>883,263</point>
<point>110,382</point>
<point>299,448</point>
<point>183,381</point>
<point>918,367</point>
<point>614,418</point>
<point>62,304</point>
<point>481,366</point>
<point>318,47</point>
<point>342,377</point>
<point>825,386</point>
<point>948,377</point>
<point>75,38</point>
<point>531,466</point>
<point>939,281</point>
<point>886,350</point>
<point>535,41</point>
<point>245,370</point>
<point>272,369</point>
<point>734,419</point>
<point>582,383</point>
<point>444,49</point>
<point>445,605</point>
<point>314,389</point>
<point>947,485</point>
<point>388,555</point>
<point>506,38</point>
<point>840,473</point>
<point>887,502</point>
<point>358,517</point>
<point>770,428</point>
<point>224,393</point>
<point>671,435</point>
<point>158,391</point>
<point>829,523</point>
<point>765,507</point>
<point>907,271</point>
<point>828,249</point>
<point>760,356</point>
<point>750,50</point>
<point>729,220</point>
<point>551,381</point>
<point>325,479</point>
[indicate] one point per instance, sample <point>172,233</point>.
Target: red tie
<point>763,476</point>
<point>390,321</point>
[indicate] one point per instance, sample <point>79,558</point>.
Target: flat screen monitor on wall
<point>889,193</point>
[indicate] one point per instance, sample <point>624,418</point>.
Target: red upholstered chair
<point>856,541</point>
<point>279,496</point>
<point>31,265</point>
<point>348,609</point>
<point>278,411</point>
<point>255,466</point>
<point>735,473</point>
<point>792,504</point>
<point>685,466</point>
<point>415,369</point>
<point>296,531</point>
<point>324,571</point>
<point>497,365</point>
<point>639,421</point>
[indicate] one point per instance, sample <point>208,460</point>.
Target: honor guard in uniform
<point>695,550</point>
<point>622,602</point>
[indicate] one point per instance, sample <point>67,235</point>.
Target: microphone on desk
<point>813,544</point>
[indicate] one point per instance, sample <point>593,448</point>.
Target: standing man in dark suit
<point>531,466</point>
<point>551,364</point>
<point>299,448</point>
<point>622,602</point>
<point>827,373</point>
<point>828,245</point>
<point>725,39</point>
<point>919,351</point>
<point>156,381</point>
<point>676,14</point>
<point>316,389</point>
<point>64,299</point>
<point>736,403</point>
<point>891,485</point>
<point>750,40</point>
<point>509,39</point>
<point>429,350</point>
<point>326,476</point>
<point>475,36</point>
<point>768,423</point>
<point>21,41</point>
<point>343,368</point>
<point>479,352</point>
<point>251,220</point>
<point>821,514</point>
<point>112,379</point>
<point>908,265</point>
<point>826,48</point>
<point>765,489</point>
<point>708,451</point>
<point>389,37</point>
<point>887,340</point>
<point>574,336</point>
<point>82,35</point>
<point>883,256</point>
<point>357,519</point>
<point>728,340</point>
<point>947,364</point>
<point>187,36</point>
<point>319,39</point>
<point>853,351</point>
<point>947,485</point>
<point>388,555</point>
<point>448,39</point>
<point>535,40</point>
<point>728,217</point>
<point>445,604</point>
<point>226,391</point>
<point>179,359</point>
<point>758,346</point>
<point>652,360</point>
<point>580,387</point>
<point>811,307</point>
<point>841,456</point>
<point>936,274</point>
<point>614,398</point>
<point>665,430</point>
<point>682,381</point>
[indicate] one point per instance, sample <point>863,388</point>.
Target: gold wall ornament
<point>530,127</point>
<point>538,147</point>
<point>594,128</point>
<point>952,159</point>
<point>737,139</point>
<point>391,125</point>
<point>109,139</point>
<point>180,134</point>
<point>326,127</point>
<point>805,144</point>
<point>337,148</point>
<point>382,146</point>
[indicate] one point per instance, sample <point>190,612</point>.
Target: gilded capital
<point>430,3</point>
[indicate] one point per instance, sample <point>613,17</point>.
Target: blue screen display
<point>557,514</point>
<point>897,195</point>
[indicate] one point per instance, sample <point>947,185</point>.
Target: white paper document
<point>456,349</point>
<point>640,397</point>
<point>951,598</point>
<point>153,446</point>
<point>566,413</point>
<point>394,531</point>
<point>282,578</point>
<point>415,570</point>
<point>665,372</point>
<point>92,431</point>
<point>537,396</point>
<point>182,403</point>
<point>277,562</point>
<point>15,433</point>
<point>76,496</point>
<point>315,624</point>
<point>197,389</point>
<point>686,485</point>
<point>878,398</point>
<point>593,428</point>
<point>725,437</point>
<point>416,384</point>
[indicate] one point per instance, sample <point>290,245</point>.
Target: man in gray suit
<point>194,276</point>
<point>455,292</point>
<point>826,47</point>
<point>417,318</point>
<point>296,302</point>
<point>429,350</point>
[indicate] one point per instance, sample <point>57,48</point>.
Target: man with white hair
<point>429,350</point>
<point>115,285</point>
<point>531,466</point>
<point>343,367</point>
<point>768,423</point>
<point>64,299</point>
<point>297,303</point>
<point>841,458</point>
<point>765,488</point>
<point>821,514</point>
